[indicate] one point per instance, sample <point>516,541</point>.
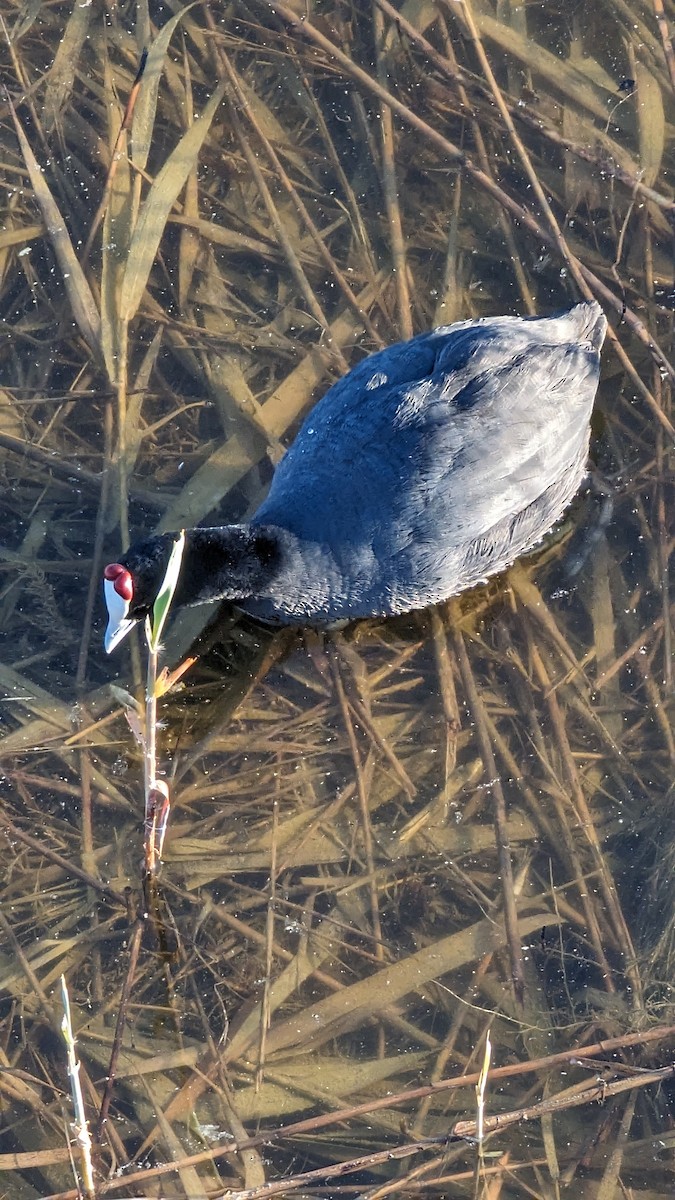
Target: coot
<point>430,466</point>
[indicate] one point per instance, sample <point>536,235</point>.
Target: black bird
<point>430,466</point>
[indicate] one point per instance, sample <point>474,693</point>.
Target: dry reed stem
<point>390,186</point>
<point>593,1093</point>
<point>119,149</point>
<point>586,823</point>
<point>505,222</point>
<point>358,224</point>
<point>108,1092</point>
<point>296,1128</point>
<point>81,1127</point>
<point>363,779</point>
<point>366,1162</point>
<point>303,212</point>
<point>666,39</point>
<point>284,239</point>
<point>447,688</point>
<point>505,873</point>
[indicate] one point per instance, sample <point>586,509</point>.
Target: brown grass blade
<point>117,228</point>
<point>349,1008</point>
<point>651,123</point>
<point>78,291</point>
<point>61,77</point>
<point>157,205</point>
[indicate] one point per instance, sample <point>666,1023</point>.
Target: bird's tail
<point>591,323</point>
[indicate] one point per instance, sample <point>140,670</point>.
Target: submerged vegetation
<point>386,847</point>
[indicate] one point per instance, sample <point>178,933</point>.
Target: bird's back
<point>434,463</point>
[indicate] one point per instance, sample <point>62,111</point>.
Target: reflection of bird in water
<point>432,465</point>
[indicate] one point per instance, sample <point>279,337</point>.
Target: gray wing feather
<point>429,447</point>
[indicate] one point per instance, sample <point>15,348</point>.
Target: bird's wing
<point>478,432</point>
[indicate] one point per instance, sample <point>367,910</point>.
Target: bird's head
<point>131,585</point>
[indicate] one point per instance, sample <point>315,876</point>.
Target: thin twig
<point>594,1093</point>
<point>365,1163</point>
<point>134,947</point>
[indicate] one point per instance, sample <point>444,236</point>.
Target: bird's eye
<point>121,579</point>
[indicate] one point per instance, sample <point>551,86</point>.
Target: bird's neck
<point>229,562</point>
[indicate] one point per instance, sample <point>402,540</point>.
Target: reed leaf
<point>77,289</point>
<point>157,205</point>
<point>651,123</point>
<point>146,106</point>
<point>61,77</point>
<point>117,230</point>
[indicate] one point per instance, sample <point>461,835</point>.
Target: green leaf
<point>165,595</point>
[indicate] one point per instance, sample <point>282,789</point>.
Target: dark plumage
<point>430,466</point>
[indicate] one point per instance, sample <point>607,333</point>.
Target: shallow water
<point>329,928</point>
